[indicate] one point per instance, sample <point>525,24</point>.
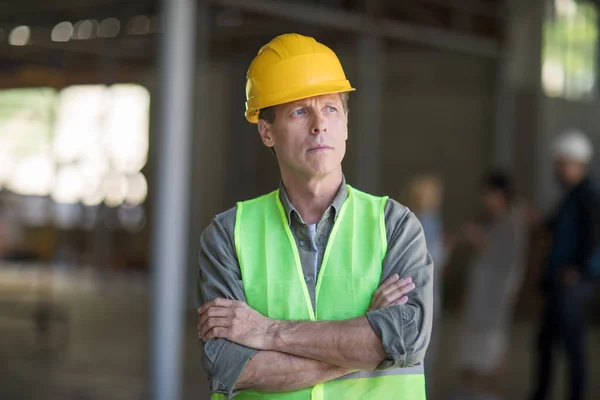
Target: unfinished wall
<point>438,117</point>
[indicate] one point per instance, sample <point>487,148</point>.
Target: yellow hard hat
<point>292,67</point>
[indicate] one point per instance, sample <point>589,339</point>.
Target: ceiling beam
<point>495,10</point>
<point>361,24</point>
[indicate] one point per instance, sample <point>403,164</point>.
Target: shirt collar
<point>336,204</point>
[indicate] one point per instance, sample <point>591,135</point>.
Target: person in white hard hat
<point>573,266</point>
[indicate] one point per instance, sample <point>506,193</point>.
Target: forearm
<point>350,344</point>
<point>272,371</point>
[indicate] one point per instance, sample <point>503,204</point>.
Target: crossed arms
<point>298,354</point>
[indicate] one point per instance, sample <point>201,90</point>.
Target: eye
<point>331,109</point>
<point>299,112</point>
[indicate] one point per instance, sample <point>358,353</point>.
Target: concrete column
<point>171,214</point>
<point>201,149</point>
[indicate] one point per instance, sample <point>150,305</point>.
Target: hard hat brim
<point>294,94</point>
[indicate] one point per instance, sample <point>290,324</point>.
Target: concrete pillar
<point>201,149</point>
<point>171,214</point>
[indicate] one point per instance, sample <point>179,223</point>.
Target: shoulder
<point>396,214</point>
<point>258,200</point>
<point>400,221</point>
<point>590,191</point>
<point>222,226</point>
<point>588,197</point>
<point>225,218</point>
<point>220,230</point>
<point>393,207</point>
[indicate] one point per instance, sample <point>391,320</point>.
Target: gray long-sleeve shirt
<point>403,329</point>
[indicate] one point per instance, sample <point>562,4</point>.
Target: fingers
<point>388,282</point>
<point>401,284</point>
<point>211,324</point>
<point>214,312</point>
<point>392,291</point>
<point>215,333</point>
<point>219,302</point>
<point>403,300</point>
<point>396,295</point>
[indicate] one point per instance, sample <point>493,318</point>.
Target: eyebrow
<point>304,104</point>
<point>297,104</point>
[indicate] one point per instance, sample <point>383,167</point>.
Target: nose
<point>318,125</point>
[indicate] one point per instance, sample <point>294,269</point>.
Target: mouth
<point>319,148</point>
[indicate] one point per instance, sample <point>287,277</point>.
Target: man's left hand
<point>235,321</point>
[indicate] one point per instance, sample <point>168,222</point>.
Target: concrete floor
<point>99,347</point>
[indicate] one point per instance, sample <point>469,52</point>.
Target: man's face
<point>569,172</point>
<point>309,135</point>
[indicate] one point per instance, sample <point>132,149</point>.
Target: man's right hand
<point>392,291</point>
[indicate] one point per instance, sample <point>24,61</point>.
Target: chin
<point>323,170</point>
<point>320,166</point>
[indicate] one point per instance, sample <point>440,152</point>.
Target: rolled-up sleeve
<point>219,276</point>
<point>405,329</point>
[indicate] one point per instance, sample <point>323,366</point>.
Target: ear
<point>346,136</point>
<point>266,133</point>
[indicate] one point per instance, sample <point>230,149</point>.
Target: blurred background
<point>446,88</point>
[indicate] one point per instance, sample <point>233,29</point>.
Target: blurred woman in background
<point>425,200</point>
<point>499,235</point>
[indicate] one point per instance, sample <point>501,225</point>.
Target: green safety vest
<point>350,273</point>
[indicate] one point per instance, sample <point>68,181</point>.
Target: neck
<point>311,196</point>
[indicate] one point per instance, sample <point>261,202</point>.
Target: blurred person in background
<point>425,201</point>
<point>315,289</point>
<point>499,236</point>
<point>572,267</point>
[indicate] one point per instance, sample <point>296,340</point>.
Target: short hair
<point>268,113</point>
<point>501,181</point>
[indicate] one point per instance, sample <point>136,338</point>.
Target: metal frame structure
<point>361,23</point>
<point>416,21</point>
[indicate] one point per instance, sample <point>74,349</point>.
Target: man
<point>289,281</point>
<point>573,263</point>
